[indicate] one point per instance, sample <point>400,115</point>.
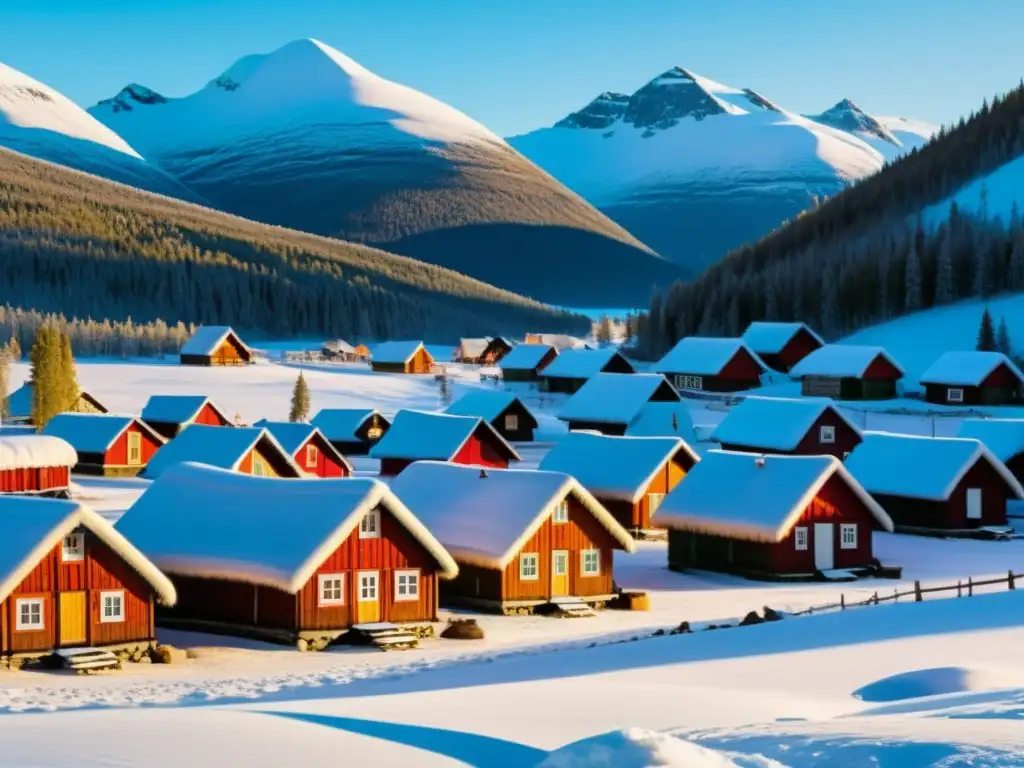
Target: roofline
<point>1004,360</point>
<point>880,351</point>
<point>740,344</point>
<point>513,454</point>
<point>207,401</point>
<point>419,345</point>
<point>338,455</point>
<point>684,447</point>
<point>131,419</point>
<point>787,447</point>
<point>799,326</point>
<point>300,472</point>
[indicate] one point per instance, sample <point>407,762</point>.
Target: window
<point>111,607</point>
<point>848,536</point>
<point>368,587</point>
<point>511,421</point>
<point>30,614</point>
<point>311,455</point>
<point>560,563</point>
<point>590,559</point>
<point>827,434</point>
<point>689,382</point>
<point>331,588</point>
<point>407,585</point>
<point>800,537</point>
<point>955,395</point>
<point>561,513</point>
<point>134,447</point>
<point>369,528</point>
<point>72,549</point>
<point>528,569</point>
<point>654,501</point>
<point>259,469</point>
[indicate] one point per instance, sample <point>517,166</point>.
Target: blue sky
<point>519,65</point>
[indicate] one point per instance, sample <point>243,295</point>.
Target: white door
<point>974,503</point>
<point>824,547</point>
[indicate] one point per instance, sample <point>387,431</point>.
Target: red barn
<point>712,365</point>
<point>973,378</point>
<point>848,372</point>
<point>307,445</point>
<point>36,465</point>
<point>522,538</point>
<point>422,436</point>
<point>68,579</point>
<point>106,444</point>
<point>249,450</point>
<point>169,414</point>
<point>781,345</point>
<point>772,517</point>
<point>215,345</point>
<point>291,561</point>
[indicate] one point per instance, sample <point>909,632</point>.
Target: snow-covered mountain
<point>695,168</point>
<point>306,138</point>
<point>36,120</point>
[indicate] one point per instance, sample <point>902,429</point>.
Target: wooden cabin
<point>526,362</point>
<point>106,444</point>
<point>1003,437</point>
<point>973,378</point>
<point>215,345</point>
<point>487,350</point>
<point>804,426</point>
<point>307,445</point>
<point>568,372</point>
<point>36,465</point>
<point>421,436</point>
<point>68,579</point>
<point>401,357</point>
<point>168,415</point>
<point>935,485</point>
<point>19,405</point>
<point>496,350</point>
<point>352,431</point>
<point>610,402</point>
<point>630,476</point>
<point>780,346</point>
<point>247,450</point>
<point>502,410</point>
<point>341,351</point>
<point>712,365</point>
<point>848,372</point>
<point>771,517</point>
<point>287,561</point>
<point>521,538</point>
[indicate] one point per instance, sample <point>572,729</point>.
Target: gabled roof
<point>767,338</point>
<point>419,435</point>
<point>208,338</point>
<point>342,424</point>
<point>487,404</point>
<point>292,436</point>
<point>704,356</point>
<point>35,526</point>
<point>177,409</point>
<point>485,518</point>
<point>1004,437</point>
<point>846,361</point>
<point>754,498</point>
<point>396,351</point>
<point>339,347</point>
<point>559,341</point>
<point>968,369</point>
<point>473,347</point>
<point>218,447</point>
<point>274,532</point>
<point>581,363</point>
<point>94,432</point>
<point>29,451</point>
<point>614,467</point>
<point>19,402</point>
<point>774,423</point>
<point>524,357</point>
<point>616,398</point>
<point>920,467</point>
<point>663,420</point>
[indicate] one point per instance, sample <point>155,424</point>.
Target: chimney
<point>483,474</point>
<point>759,461</point>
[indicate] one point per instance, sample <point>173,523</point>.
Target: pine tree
<point>5,360</point>
<point>1003,338</point>
<point>68,375</point>
<point>944,274</point>
<point>300,400</point>
<point>986,334</point>
<point>45,376</point>
<point>912,283</point>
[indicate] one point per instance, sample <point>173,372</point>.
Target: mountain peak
<point>599,113</point>
<point>847,116</point>
<point>131,96</point>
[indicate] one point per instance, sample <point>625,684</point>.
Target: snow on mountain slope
<point>891,136</point>
<point>307,138</point>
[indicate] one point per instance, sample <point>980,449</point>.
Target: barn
<point>771,517</point>
<point>973,378</point>
<point>306,444</point>
<point>37,465</point>
<point>522,538</point>
<point>711,364</point>
<point>401,357</point>
<point>68,579</point>
<point>848,372</point>
<point>19,405</point>
<point>353,431</point>
<point>781,345</point>
<point>169,414</point>
<point>289,562</point>
<point>106,444</point>
<point>422,436</point>
<point>215,345</point>
<point>935,485</point>
<point>805,426</point>
<point>502,410</point>
<point>610,402</point>
<point>572,368</point>
<point>248,450</point>
<point>526,361</point>
<point>663,420</point>
<point>1004,437</point>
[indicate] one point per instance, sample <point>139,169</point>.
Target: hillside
<point>80,245</point>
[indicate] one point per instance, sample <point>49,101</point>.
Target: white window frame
<point>851,529</point>
<point>409,596</point>
<point>595,556</point>
<point>19,624</point>
<point>511,421</point>
<point>312,455</point>
<point>560,514</point>
<point>376,587</point>
<point>113,594</point>
<point>687,381</point>
<point>327,580</point>
<point>72,548</point>
<point>800,538</point>
<point>954,394</point>
<point>369,526</point>
<point>654,500</point>
<point>531,559</point>
<point>827,434</point>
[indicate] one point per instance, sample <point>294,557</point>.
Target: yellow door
<point>368,597</point>
<point>559,573</point>
<point>134,448</point>
<point>73,618</point>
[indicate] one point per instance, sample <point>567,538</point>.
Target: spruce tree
<point>5,370</point>
<point>1003,338</point>
<point>68,375</point>
<point>300,400</point>
<point>45,376</point>
<point>986,334</point>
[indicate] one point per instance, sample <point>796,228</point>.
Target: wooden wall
<point>952,514</point>
<point>117,455</point>
<point>34,479</point>
<point>325,464</point>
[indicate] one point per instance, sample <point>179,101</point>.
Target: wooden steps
<point>386,636</point>
<point>87,660</point>
<point>571,607</point>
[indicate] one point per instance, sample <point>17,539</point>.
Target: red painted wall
<point>480,450</point>
<point>209,415</point>
<point>118,453</point>
<point>325,464</point>
<point>799,347</point>
<point>34,479</point>
<point>881,368</point>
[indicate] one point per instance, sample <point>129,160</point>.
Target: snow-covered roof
<point>767,338</point>
<point>341,424</point>
<point>920,467</point>
<point>774,422</point>
<point>524,357</point>
<point>339,347</point>
<point>223,447</point>
<point>487,404</point>
<point>580,363</point>
<point>756,498</point>
<point>176,409</point>
<point>485,520</point>
<point>19,402</point>
<point>663,420</point>
<point>846,361</point>
<point>292,436</point>
<point>473,347</point>
<point>616,398</point>
<point>94,432</point>
<point>29,451</point>
<point>1004,437</point>
<point>614,467</point>
<point>273,532</point>
<point>419,435</point>
<point>33,527</point>
<point>968,369</point>
<point>559,341</point>
<point>395,351</point>
<point>703,356</point>
<point>208,338</point>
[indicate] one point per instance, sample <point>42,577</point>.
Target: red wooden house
<point>1004,437</point>
<point>973,378</point>
<point>770,517</point>
<point>526,362</point>
<point>215,345</point>
<point>502,410</point>
<point>36,465</point>
<point>307,445</point>
<point>353,431</point>
<point>712,365</point>
<point>781,345</point>
<point>610,402</point>
<point>249,450</point>
<point>169,414</point>
<point>422,436</point>
<point>401,357</point>
<point>848,372</point>
<point>69,579</point>
<point>522,538</point>
<point>106,444</point>
<point>291,560</point>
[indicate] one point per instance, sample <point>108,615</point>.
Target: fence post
<point>917,592</point>
<point>959,588</point>
<point>842,600</point>
<point>1009,580</point>
<point>876,598</point>
<point>970,586</point>
<point>895,595</point>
